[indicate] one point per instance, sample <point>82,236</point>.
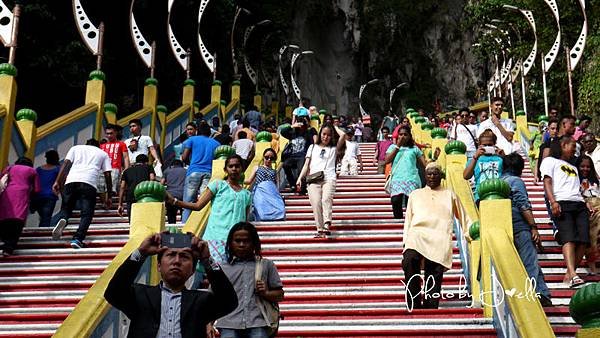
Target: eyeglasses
<point>269,158</point>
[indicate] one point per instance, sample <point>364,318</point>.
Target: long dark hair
<point>333,141</point>
<point>593,178</point>
<point>411,142</point>
<point>253,237</point>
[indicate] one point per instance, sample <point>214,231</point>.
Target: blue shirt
<point>202,149</point>
<point>487,167</point>
<point>47,178</point>
<point>519,201</point>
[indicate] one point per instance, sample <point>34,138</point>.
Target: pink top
<point>382,147</point>
<point>14,201</point>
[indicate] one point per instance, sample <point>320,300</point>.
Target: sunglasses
<point>269,158</point>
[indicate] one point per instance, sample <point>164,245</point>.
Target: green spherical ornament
<point>97,75</point>
<point>474,230</point>
<point>257,93</point>
<point>217,83</point>
<point>196,104</point>
<point>242,106</point>
<point>151,82</point>
<point>189,82</point>
<point>161,108</point>
<point>543,118</point>
<point>439,133</point>
<point>427,126</point>
<point>584,306</point>
<point>285,126</point>
<point>322,112</point>
<point>236,83</point>
<point>149,191</point>
<point>315,117</point>
<point>520,113</point>
<point>264,136</point>
<point>493,189</point>
<point>413,114</point>
<point>111,107</point>
<point>223,103</point>
<point>8,69</point>
<point>419,119</point>
<point>409,110</point>
<point>26,114</point>
<point>224,151</point>
<point>455,148</point>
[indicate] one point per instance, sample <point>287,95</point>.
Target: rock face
<point>428,50</point>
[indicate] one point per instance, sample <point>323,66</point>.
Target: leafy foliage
<point>585,76</point>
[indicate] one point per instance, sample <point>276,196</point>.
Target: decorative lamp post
<point>249,70</point>
<point>295,57</point>
<point>238,11</point>
<point>286,89</point>
<point>530,60</point>
<point>207,57</point>
<point>360,93</point>
<point>548,59</point>
<point>403,84</point>
<point>181,54</point>
<point>574,54</point>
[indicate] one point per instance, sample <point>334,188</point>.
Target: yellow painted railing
<point>64,120</point>
<point>527,311</point>
<point>139,114</point>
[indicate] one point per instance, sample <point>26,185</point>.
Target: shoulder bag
<point>388,182</point>
<point>269,310</point>
<point>318,176</point>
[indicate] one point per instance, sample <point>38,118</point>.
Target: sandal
<point>575,282</point>
<point>319,234</point>
<point>326,230</point>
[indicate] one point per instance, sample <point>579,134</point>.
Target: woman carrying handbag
<point>319,170</point>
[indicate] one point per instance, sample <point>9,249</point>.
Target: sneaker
<point>58,229</point>
<point>545,301</point>
<point>76,244</point>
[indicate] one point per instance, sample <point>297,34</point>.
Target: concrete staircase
<point>346,286</point>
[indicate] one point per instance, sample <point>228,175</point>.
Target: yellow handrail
<point>177,112</point>
<point>141,113</point>
<point>2,110</point>
<point>527,312</point>
<point>64,120</point>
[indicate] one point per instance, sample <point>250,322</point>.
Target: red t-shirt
<point>115,151</point>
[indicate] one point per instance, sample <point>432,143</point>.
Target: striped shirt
<point>170,313</point>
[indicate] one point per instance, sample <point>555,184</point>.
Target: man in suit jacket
<point>170,309</point>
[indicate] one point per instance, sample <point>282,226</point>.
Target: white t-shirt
<point>352,150</point>
<point>322,159</point>
<point>501,141</point>
<point>565,182</point>
<point>243,147</point>
<point>465,134</point>
<point>89,163</point>
<point>358,128</point>
<point>144,142</point>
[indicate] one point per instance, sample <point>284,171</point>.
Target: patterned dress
<point>405,174</point>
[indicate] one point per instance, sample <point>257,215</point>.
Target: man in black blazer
<point>170,309</point>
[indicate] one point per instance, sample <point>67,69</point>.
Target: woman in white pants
<point>319,170</point>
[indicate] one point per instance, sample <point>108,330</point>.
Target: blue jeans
<point>195,183</point>
<point>85,196</point>
<point>44,207</point>
<point>528,254</point>
<point>255,332</point>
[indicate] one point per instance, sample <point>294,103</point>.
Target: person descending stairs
<point>347,285</point>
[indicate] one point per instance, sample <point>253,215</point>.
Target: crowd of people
<point>567,164</point>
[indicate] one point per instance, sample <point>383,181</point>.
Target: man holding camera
<point>170,309</point>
